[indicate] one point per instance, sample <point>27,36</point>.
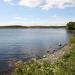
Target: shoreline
<point>50,57</point>
<point>49,64</point>
<point>56,55</point>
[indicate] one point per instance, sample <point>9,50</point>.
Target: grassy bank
<point>66,66</point>
<point>63,66</point>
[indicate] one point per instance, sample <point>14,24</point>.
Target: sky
<point>36,12</point>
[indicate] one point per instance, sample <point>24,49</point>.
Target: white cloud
<point>19,18</point>
<point>9,2</point>
<point>30,3</point>
<point>44,4</point>
<point>54,16</point>
<point>58,4</point>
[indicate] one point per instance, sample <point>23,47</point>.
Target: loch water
<point>23,44</point>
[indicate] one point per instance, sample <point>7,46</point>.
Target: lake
<point>23,44</point>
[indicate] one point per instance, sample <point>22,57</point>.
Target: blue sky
<point>36,12</point>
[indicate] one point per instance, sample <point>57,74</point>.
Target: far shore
<point>19,26</point>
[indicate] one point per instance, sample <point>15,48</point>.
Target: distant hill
<point>19,26</point>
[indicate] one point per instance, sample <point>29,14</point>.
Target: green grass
<point>72,40</point>
<point>33,68</point>
<point>64,66</point>
<point>67,65</point>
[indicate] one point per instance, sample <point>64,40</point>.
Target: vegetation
<point>64,66</point>
<point>19,26</point>
<point>33,68</point>
<point>71,26</point>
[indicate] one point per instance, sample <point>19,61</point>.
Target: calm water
<point>21,44</point>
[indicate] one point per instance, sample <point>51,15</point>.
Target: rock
<point>47,51</point>
<point>44,56</point>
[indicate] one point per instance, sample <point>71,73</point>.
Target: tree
<point>71,26</point>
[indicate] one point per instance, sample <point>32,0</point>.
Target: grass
<point>64,66</point>
<point>72,40</point>
<point>67,65</point>
<point>33,68</point>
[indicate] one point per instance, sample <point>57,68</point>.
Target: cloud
<point>44,4</point>
<point>19,18</point>
<point>30,3</point>
<point>9,2</point>
<point>58,4</point>
<point>54,16</point>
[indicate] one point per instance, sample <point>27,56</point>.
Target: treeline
<point>71,26</point>
<point>19,26</point>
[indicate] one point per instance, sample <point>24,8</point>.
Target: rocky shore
<point>56,55</point>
